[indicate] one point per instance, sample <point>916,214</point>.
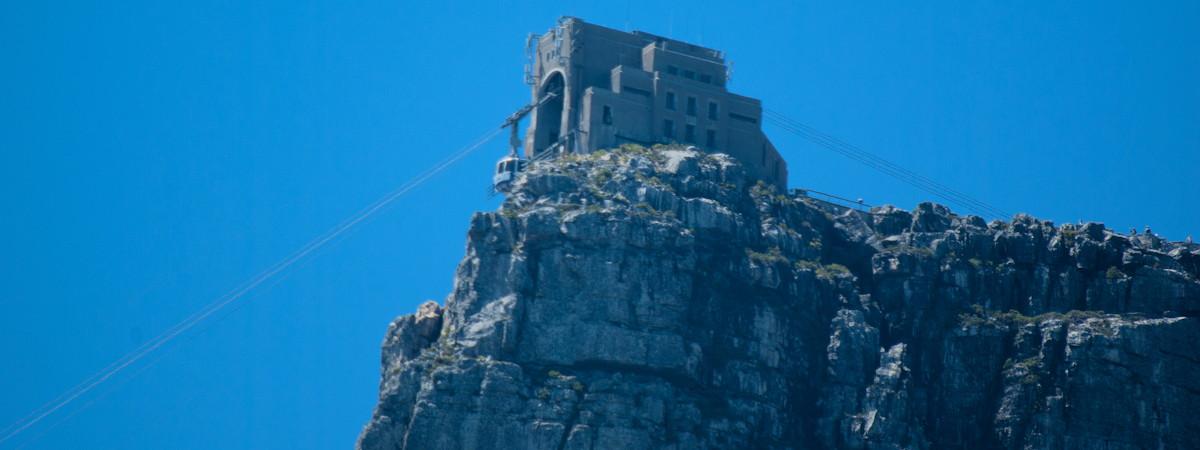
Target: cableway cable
<point>199,316</point>
<point>882,165</point>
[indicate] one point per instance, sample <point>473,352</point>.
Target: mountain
<point>660,298</point>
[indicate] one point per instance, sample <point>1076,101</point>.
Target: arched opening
<point>550,114</point>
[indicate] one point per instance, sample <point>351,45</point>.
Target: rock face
<point>658,299</point>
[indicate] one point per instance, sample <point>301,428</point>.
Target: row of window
<point>691,106</point>
<point>689,133</point>
<point>690,74</point>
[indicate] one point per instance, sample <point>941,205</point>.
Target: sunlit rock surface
<point>658,298</point>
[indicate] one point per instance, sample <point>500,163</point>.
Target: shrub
<point>805,264</point>
<point>772,256</point>
<point>601,176</point>
<point>815,244</point>
<point>1069,232</point>
<point>831,271</point>
<point>823,271</point>
<point>979,316</point>
<point>1029,362</point>
<point>762,189</point>
<point>971,320</point>
<point>839,269</point>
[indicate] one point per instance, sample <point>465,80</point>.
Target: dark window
<point>607,115</point>
<point>712,110</point>
<point>742,118</point>
<point>691,106</point>
<point>705,78</point>
<point>689,75</point>
<point>689,133</point>
<point>671,101</point>
<point>636,91</point>
<point>710,139</point>
<point>668,129</point>
<point>673,70</point>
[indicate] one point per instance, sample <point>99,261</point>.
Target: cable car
<point>508,166</point>
<point>506,171</point>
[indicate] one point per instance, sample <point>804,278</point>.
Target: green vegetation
<point>772,256</point>
<point>816,244</point>
<point>445,354</point>
<point>978,316</point>
<point>1030,379</point>
<point>601,175</point>
<point>923,251</point>
<point>1069,232</point>
<point>762,189</point>
<point>823,271</point>
<point>975,318</point>
<point>1029,362</point>
<point>838,269</point>
<point>628,151</point>
<point>645,210</point>
<point>1113,273</point>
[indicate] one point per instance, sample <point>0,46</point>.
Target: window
<point>607,116</point>
<point>689,75</point>
<point>637,91</point>
<point>705,78</point>
<point>669,129</point>
<point>689,133</point>
<point>712,110</point>
<point>736,116</point>
<point>671,101</point>
<point>710,139</point>
<point>673,70</point>
<point>691,106</point>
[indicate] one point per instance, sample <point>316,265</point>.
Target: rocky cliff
<point>658,298</point>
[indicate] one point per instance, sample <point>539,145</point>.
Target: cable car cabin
<point>506,171</point>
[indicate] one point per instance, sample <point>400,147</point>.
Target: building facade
<point>613,87</point>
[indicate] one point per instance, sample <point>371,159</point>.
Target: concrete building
<point>615,87</point>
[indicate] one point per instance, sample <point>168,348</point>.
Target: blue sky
<point>154,156</point>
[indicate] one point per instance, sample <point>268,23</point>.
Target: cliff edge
<point>658,298</point>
